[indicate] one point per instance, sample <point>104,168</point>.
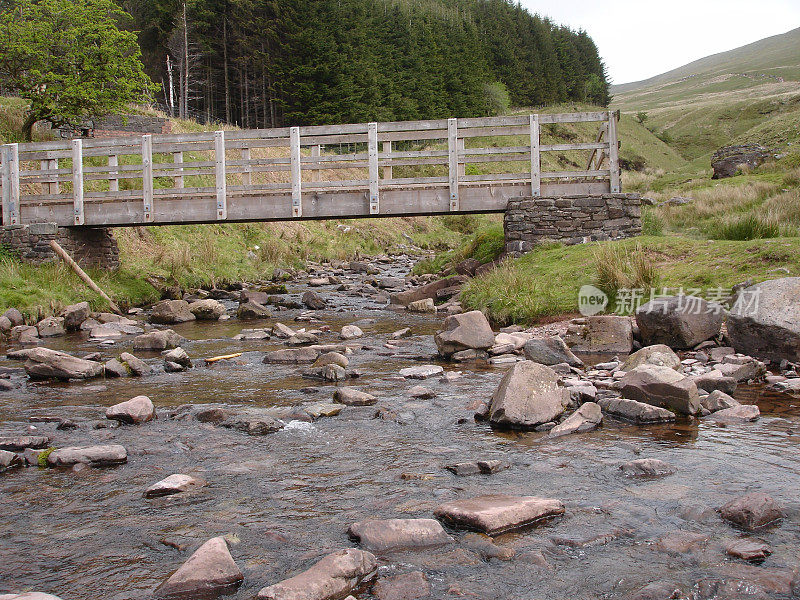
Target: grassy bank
<point>546,281</point>
<point>192,256</point>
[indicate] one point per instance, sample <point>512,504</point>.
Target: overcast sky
<point>641,38</point>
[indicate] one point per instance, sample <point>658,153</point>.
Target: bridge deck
<point>337,171</point>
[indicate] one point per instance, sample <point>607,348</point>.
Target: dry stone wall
<point>531,221</point>
<point>92,247</point>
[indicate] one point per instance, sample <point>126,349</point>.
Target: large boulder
<point>392,535</point>
<point>16,318</point>
<point>606,333</point>
<point>133,412</point>
<point>528,395</point>
<point>209,572</point>
<point>765,320</point>
<point>467,331</point>
<point>75,314</point>
<point>661,386</point>
<point>679,321</point>
<point>498,513</point>
<point>333,577</point>
<point>95,456</point>
<point>171,311</point>
<point>658,354</point>
<point>207,310</point>
<point>43,363</point>
<point>551,351</point>
<point>158,340</point>
<point>728,161</point>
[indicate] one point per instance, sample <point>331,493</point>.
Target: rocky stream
<point>345,446</point>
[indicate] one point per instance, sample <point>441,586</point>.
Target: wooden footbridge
<point>335,171</point>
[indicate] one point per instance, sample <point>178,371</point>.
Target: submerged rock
<point>19,443</point>
<point>467,331</point>
<point>421,372</point>
<point>313,301</point>
<point>251,310</point>
<point>632,410</point>
<point>752,511</point>
<point>94,456</point>
<point>331,578</point>
<point>407,586</point>
<point>391,535</point>
<point>210,572</point>
<point>29,596</point>
<point>717,400</point>
<point>647,467</point>
<point>43,363</point>
<point>498,513</point>
<point>737,414</point>
<point>132,412</point>
<point>528,395</point>
<point>353,397</point>
<point>174,484</point>
<point>10,460</point>
<point>587,417</point>
<point>292,356</point>
<point>179,357</point>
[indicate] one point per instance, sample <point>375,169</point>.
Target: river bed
<point>284,500</point>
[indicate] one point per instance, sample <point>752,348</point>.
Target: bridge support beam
<point>530,221</point>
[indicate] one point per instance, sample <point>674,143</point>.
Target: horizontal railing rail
<point>301,172</point>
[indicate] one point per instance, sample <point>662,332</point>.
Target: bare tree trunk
<point>27,127</point>
<point>225,68</point>
<point>186,61</point>
<point>171,100</point>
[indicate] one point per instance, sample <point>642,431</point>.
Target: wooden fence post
<point>452,153</point>
<point>11,189</point>
<point>147,177</point>
<point>77,180</point>
<point>50,184</point>
<point>220,175</point>
<point>246,169</point>
<point>613,153</point>
<point>536,162</point>
<point>294,144</point>
<point>372,153</point>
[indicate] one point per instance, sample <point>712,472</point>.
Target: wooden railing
<point>370,169</point>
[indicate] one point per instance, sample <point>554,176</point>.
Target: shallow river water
<point>286,499</point>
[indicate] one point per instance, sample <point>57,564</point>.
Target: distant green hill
<point>750,94</point>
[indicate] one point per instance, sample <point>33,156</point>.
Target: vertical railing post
<point>11,189</point>
<point>77,181</point>
<point>294,147</point>
<point>220,175</point>
<point>113,181</point>
<point>177,158</point>
<point>316,152</point>
<point>372,153</point>
<point>613,153</point>
<point>247,169</point>
<point>536,162</point>
<point>50,184</point>
<point>452,152</point>
<point>147,177</point>
<point>387,149</point>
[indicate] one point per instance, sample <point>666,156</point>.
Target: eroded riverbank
<point>286,499</point>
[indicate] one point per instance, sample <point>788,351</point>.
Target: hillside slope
<point>750,94</point>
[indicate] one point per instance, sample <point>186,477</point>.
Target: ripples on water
<point>286,499</point>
